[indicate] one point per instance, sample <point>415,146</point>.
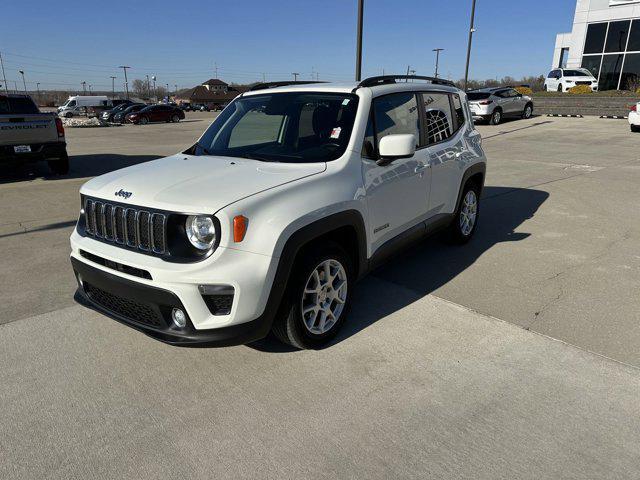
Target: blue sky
<point>60,44</point>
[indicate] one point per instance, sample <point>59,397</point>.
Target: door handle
<point>420,168</point>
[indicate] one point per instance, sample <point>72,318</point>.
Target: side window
<point>552,74</point>
<point>438,117</point>
<point>72,103</point>
<point>458,111</point>
<point>396,113</point>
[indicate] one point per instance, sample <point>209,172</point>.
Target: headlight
<point>201,231</point>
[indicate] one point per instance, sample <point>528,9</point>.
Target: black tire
<point>143,121</point>
<point>289,325</point>
<point>175,119</point>
<point>528,111</point>
<point>496,117</point>
<point>59,166</point>
<point>560,88</point>
<point>635,128</point>
<point>68,115</point>
<point>456,235</point>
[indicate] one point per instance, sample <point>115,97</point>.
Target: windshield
<point>478,95</point>
<point>576,73</point>
<point>298,127</point>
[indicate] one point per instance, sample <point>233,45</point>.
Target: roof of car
<point>488,90</point>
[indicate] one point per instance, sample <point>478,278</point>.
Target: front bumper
<point>148,309</point>
<point>39,151</point>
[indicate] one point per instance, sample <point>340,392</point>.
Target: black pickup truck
<point>27,135</point>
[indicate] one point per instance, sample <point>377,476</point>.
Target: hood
<point>195,184</point>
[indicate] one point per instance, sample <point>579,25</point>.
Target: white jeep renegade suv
<point>293,193</point>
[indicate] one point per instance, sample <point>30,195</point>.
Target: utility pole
<point>113,86</point>
<point>471,31</point>
<point>89,89</point>
<point>359,41</point>
<point>23,82</point>
<point>6,87</point>
<point>408,69</point>
<point>155,92</point>
<point>148,87</point>
<point>295,76</point>
<point>38,89</point>
<point>126,82</point>
<point>168,93</point>
<point>176,87</point>
<point>437,50</point>
<point>84,88</point>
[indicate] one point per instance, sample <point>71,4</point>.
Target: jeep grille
<point>125,226</point>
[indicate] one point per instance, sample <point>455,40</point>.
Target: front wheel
<point>635,128</point>
<point>143,121</point>
<point>560,88</point>
<point>528,111</point>
<point>465,221</point>
<point>318,298</point>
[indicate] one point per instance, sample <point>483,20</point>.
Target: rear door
<point>447,148</point>
<point>21,123</point>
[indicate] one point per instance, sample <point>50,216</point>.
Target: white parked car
<point>562,79</point>
<point>292,194</point>
<point>634,118</point>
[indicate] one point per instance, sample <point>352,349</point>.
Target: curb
<point>564,116</point>
<point>615,117</point>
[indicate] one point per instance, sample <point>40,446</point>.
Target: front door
<point>397,194</point>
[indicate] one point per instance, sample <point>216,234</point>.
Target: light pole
<point>295,76</point>
<point>84,88</point>
<point>126,82</point>
<point>89,89</point>
<point>471,31</point>
<point>113,86</point>
<point>38,89</point>
<point>6,87</point>
<point>148,87</point>
<point>437,50</point>
<point>359,41</point>
<point>23,82</point>
<point>155,94</point>
<point>168,93</point>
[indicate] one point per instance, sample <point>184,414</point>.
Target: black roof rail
<point>263,86</point>
<point>390,79</point>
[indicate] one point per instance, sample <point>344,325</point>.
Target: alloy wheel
<point>468,213</point>
<point>324,297</point>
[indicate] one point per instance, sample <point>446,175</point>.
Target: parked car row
<point>201,107</point>
<point>141,113</point>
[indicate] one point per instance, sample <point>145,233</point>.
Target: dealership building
<point>605,40</point>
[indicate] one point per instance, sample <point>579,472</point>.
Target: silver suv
<point>494,104</point>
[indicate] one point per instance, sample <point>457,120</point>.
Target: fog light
<point>179,317</point>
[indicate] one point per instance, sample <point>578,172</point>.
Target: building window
<point>634,37</point>
<point>564,56</point>
<point>596,34</point>
<point>592,63</point>
<point>631,72</point>
<point>610,72</point>
<point>617,36</point>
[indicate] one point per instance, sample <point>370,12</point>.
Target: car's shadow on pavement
<point>80,166</point>
<point>433,263</point>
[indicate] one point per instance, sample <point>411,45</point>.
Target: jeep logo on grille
<point>123,194</point>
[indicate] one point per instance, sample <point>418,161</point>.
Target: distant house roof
<point>214,81</point>
<point>201,94</point>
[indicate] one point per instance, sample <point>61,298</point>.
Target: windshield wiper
<point>253,156</point>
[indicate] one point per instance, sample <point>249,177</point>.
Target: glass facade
<point>612,54</point>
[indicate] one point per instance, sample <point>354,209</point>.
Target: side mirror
<point>396,146</point>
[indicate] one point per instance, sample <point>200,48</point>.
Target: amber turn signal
<point>240,225</point>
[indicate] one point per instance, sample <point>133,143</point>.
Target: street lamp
<point>23,82</point>
<point>359,41</point>
<point>471,32</point>
<point>437,50</point>
<point>113,86</point>
<point>155,93</point>
<point>167,92</point>
<point>295,76</point>
<point>89,89</point>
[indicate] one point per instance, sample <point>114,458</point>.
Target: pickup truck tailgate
<point>25,129</point>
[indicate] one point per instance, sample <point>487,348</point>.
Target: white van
<point>77,105</point>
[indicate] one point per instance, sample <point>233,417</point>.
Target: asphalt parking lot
<point>515,356</point>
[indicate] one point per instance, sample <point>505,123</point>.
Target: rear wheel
<point>496,117</point>
<point>560,88</point>
<point>317,299</point>
<point>175,118</point>
<point>465,221</point>
<point>59,166</point>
